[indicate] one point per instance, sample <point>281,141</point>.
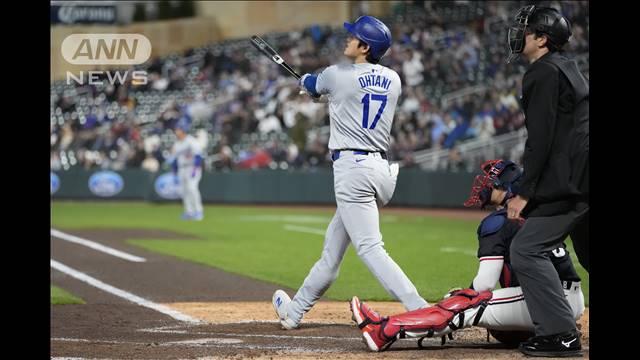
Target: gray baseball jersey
<point>362,102</point>
<point>185,151</point>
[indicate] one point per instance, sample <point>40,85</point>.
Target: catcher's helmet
<point>539,20</point>
<point>498,174</point>
<point>373,32</point>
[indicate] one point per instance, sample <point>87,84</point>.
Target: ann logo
<point>106,49</point>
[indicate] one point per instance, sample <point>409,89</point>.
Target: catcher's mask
<point>517,32</point>
<point>539,20</point>
<point>501,174</point>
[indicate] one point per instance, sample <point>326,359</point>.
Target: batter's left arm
<point>308,83</point>
<point>317,85</point>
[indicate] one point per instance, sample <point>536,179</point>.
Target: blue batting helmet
<point>373,32</point>
<point>183,124</point>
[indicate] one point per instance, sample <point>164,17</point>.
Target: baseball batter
<point>187,165</point>
<point>362,100</point>
<point>503,311</point>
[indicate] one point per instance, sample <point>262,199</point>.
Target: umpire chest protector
<point>579,147</point>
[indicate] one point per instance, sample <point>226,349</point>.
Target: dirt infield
<point>236,318</point>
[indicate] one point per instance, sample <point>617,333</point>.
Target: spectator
<point>455,162</point>
<point>150,164</point>
<point>231,97</point>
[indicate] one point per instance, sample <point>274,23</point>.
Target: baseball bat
<point>272,54</point>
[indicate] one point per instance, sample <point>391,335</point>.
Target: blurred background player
<point>187,166</point>
<point>506,313</point>
<point>362,101</point>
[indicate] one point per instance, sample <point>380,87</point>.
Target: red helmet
<point>497,174</point>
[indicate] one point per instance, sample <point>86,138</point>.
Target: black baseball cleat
<point>560,345</point>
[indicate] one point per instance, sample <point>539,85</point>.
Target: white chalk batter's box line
<point>239,344</point>
<point>210,342</point>
<point>158,307</point>
<point>180,330</point>
<point>176,330</point>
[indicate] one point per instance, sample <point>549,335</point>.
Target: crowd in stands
<point>248,114</point>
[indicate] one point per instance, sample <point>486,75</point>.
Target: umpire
<point>554,192</point>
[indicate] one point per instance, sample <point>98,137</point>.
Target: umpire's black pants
<point>545,299</point>
<point>580,239</point>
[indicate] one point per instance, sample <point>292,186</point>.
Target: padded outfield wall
<point>414,188</point>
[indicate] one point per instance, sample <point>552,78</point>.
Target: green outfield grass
<point>267,244</point>
<point>62,297</point>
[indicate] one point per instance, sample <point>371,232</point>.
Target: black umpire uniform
<point>556,157</point>
<point>555,180</point>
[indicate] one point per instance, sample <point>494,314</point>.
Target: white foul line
<point>121,293</point>
<point>96,246</point>
<point>304,229</point>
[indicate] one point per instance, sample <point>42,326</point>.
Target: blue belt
<point>335,155</point>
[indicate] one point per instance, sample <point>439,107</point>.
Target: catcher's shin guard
<point>462,309</point>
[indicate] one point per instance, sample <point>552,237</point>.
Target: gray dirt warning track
<point>109,327</point>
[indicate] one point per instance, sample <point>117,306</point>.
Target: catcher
<point>503,312</point>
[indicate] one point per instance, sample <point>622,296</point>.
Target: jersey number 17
<point>365,109</point>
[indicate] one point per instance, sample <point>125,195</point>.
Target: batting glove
<point>304,89</point>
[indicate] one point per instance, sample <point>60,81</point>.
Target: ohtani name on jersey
<point>374,80</point>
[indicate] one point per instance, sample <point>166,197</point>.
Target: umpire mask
<point>517,32</point>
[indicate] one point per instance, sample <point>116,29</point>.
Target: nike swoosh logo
<point>358,160</point>
<point>567,344</point>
